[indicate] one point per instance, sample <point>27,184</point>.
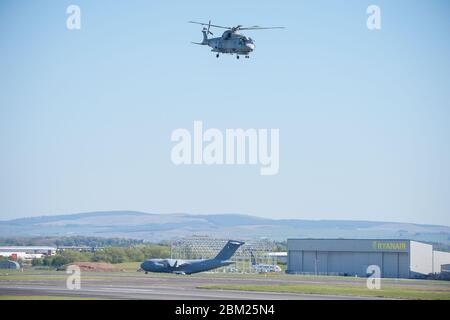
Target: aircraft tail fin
<point>253,258</point>
<point>229,250</point>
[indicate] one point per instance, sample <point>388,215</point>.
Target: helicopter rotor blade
<point>210,25</point>
<point>239,27</point>
<point>260,28</point>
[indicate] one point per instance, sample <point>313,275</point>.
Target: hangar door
<point>390,265</point>
<point>315,262</point>
<point>295,261</point>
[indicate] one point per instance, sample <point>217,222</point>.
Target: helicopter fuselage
<point>231,43</point>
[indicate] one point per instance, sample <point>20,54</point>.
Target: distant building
<point>445,268</point>
<point>8,264</point>
<point>352,257</point>
<point>280,257</point>
<point>27,253</point>
<point>441,261</point>
<point>79,248</point>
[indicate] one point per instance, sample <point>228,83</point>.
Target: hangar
<point>351,257</point>
<point>8,264</point>
<point>27,253</point>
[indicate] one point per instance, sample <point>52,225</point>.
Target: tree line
<point>76,241</point>
<point>112,255</point>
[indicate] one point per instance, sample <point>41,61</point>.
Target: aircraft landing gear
<point>247,57</point>
<point>217,55</point>
<point>237,57</point>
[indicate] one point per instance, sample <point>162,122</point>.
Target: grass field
<point>395,292</point>
<point>129,266</point>
<point>44,275</point>
<point>283,283</point>
<point>43,298</point>
<point>130,270</point>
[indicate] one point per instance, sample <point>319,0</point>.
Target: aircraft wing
<point>177,263</point>
<point>182,264</point>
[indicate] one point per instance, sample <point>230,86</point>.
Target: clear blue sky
<point>86,116</point>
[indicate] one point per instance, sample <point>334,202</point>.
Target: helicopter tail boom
<point>205,37</point>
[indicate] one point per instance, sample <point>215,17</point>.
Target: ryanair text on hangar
<point>377,245</point>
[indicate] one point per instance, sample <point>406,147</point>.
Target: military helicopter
<point>231,42</point>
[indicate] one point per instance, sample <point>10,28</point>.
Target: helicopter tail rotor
<point>209,27</point>
<point>206,32</point>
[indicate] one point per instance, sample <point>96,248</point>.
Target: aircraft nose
<point>251,46</point>
<point>146,265</point>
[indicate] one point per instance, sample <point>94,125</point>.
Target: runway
<point>109,292</point>
<point>141,286</point>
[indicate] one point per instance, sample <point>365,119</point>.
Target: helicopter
<point>231,41</point>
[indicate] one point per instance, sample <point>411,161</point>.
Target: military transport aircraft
<point>193,266</point>
<point>231,41</point>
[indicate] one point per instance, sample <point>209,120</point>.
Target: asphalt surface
<point>141,286</point>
